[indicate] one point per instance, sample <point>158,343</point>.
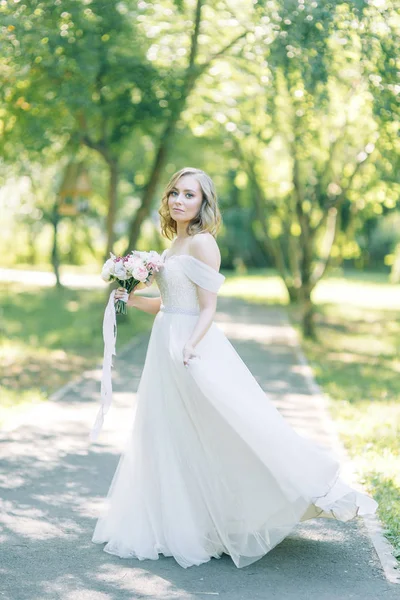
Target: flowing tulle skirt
<point>211,466</point>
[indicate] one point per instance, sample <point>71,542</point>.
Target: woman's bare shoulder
<point>203,246</point>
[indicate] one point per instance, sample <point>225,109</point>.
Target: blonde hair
<point>207,219</point>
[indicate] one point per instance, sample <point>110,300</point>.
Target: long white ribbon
<point>110,338</point>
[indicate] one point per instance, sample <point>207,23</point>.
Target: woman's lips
<point>177,210</point>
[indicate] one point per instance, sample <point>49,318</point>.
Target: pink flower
<point>140,272</point>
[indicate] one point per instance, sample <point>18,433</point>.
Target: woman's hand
<point>122,294</point>
<point>188,353</point>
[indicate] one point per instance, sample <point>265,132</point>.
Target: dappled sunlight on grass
<point>49,337</point>
<point>356,360</point>
<point>262,287</point>
<point>387,494</point>
<point>363,354</point>
<point>373,429</point>
<point>361,294</point>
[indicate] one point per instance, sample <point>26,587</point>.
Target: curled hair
<point>207,219</point>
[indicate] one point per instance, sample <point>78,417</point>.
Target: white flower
<point>108,267</point>
<point>120,271</point>
<point>106,275</point>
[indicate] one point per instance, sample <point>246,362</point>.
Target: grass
<point>49,337</point>
<point>356,361</point>
<point>258,286</point>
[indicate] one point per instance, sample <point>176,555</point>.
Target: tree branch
<point>330,236</point>
<point>195,35</point>
<point>221,52</point>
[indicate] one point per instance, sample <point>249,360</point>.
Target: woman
<point>211,466</point>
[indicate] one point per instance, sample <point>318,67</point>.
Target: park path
<point>52,483</point>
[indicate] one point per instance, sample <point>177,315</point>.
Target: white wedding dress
<point>211,466</point>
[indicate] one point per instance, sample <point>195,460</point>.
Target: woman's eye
<point>188,195</point>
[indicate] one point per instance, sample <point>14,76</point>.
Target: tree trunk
<point>308,316</point>
<point>158,166</point>
<point>294,294</point>
<point>112,205</point>
<point>32,235</point>
<point>144,209</point>
<point>55,259</point>
<point>308,309</point>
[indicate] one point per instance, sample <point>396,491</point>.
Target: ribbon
<point>110,338</point>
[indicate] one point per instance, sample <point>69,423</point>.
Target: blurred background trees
<point>291,106</point>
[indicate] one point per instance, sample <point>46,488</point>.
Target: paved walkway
<point>52,482</point>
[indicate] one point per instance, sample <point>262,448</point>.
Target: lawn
<point>356,361</point>
<point>48,337</point>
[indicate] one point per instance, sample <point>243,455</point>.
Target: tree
<point>186,79</point>
<point>314,147</point>
<point>85,79</point>
<point>94,66</point>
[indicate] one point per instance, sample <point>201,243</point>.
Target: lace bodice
<point>179,278</point>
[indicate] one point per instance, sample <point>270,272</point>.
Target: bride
<point>210,466</point>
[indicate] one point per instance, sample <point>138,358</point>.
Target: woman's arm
<point>205,249</point>
<point>208,306</point>
<point>148,305</point>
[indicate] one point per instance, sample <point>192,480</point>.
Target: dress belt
<point>179,310</point>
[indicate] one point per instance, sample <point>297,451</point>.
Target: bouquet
<point>130,270</point>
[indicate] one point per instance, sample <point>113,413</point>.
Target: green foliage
<point>384,237</point>
<point>303,111</point>
<point>306,130</point>
<point>76,68</point>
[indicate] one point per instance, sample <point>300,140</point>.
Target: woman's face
<point>184,200</point>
